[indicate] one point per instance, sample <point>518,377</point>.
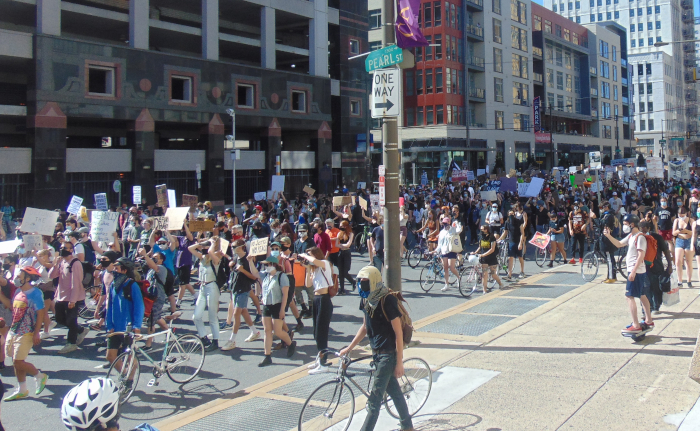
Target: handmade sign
<point>190,201</point>
<point>260,196</point>
<point>480,172</point>
<point>278,183</point>
<point>258,247</point>
<point>655,167</point>
<point>309,190</point>
<point>39,221</point>
<point>579,179</point>
<point>271,194</point>
<point>223,245</point>
<point>459,175</point>
<point>363,204</point>
<point>74,206</point>
<point>633,185</point>
<point>103,225</point>
<point>176,217</point>
<point>540,240</point>
<point>489,195</point>
<point>201,225</point>
<point>7,247</point>
<point>361,185</point>
<point>172,200</point>
<point>509,184</point>
<point>534,188</point>
<point>340,201</point>
<point>374,202</point>
<point>32,242</point>
<point>493,185</point>
<point>470,175</point>
<point>101,201</point>
<point>679,170</point>
<point>162,195</point>
<point>160,223</point>
<point>136,191</point>
<point>522,188</point>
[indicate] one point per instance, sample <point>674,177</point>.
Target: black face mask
<point>284,248</point>
<point>66,253</point>
<point>6,266</point>
<point>364,285</point>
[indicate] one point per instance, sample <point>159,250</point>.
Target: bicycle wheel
<point>428,276</point>
<point>359,243</point>
<point>589,267</point>
<point>540,256</point>
<point>122,368</point>
<point>621,261</point>
<point>415,256</point>
<point>415,386</point>
<point>185,358</point>
<point>471,281</point>
<point>329,404</point>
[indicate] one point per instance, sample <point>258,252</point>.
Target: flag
<point>408,35</point>
<point>454,166</point>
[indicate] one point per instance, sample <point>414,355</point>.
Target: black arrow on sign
<point>386,105</point>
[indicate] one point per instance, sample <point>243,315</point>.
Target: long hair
<point>316,253</point>
<point>286,230</point>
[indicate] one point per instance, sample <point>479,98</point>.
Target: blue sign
<point>440,173</point>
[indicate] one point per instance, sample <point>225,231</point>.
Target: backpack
<point>88,272</point>
<point>652,248</point>
<point>148,298</point>
<point>407,324</point>
<point>89,252</point>
<point>169,282</point>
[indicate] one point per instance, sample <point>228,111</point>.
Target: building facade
<point>97,91</point>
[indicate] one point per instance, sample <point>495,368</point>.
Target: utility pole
<point>234,154</point>
<point>390,142</point>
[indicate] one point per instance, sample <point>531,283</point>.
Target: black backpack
<point>88,272</point>
<point>169,282</point>
<point>223,273</point>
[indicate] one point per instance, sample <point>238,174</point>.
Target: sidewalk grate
<point>303,387</point>
<point>535,291</point>
<point>465,324</point>
<point>510,307</point>
<point>567,278</point>
<point>249,416</point>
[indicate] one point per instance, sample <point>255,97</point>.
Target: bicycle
<point>334,401</point>
<point>418,253</point>
<point>591,260</point>
<point>474,277</point>
<point>177,354</point>
<point>503,255</point>
<point>360,241</point>
<point>87,312</point>
<point>433,271</point>
<point>542,254</point>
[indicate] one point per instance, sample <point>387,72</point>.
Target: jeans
<point>344,261</point>
<point>542,228</point>
<point>656,296</point>
<point>323,312</point>
<point>385,382</point>
<point>378,260</point>
<point>209,298</point>
<point>69,317</point>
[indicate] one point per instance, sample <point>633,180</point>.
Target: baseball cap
<point>111,255</point>
<point>83,230</point>
<point>258,207</point>
<point>614,193</point>
<point>271,259</point>
<point>303,227</point>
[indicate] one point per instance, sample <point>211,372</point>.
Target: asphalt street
<point>224,373</point>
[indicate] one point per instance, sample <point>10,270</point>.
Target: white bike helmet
<point>473,259</point>
<point>91,402</point>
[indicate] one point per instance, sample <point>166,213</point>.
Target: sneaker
<point>550,264</point>
<point>445,288</point>
<point>649,325</point>
<point>17,396</point>
<point>213,345</point>
<point>320,369</point>
<point>52,325</point>
<point>278,346</point>
<point>632,330</point>
<point>258,319</point>
<point>580,260</point>
<point>178,305</point>
<point>45,335</point>
<point>522,275</point>
<point>265,362</point>
<point>82,336</point>
<point>312,365</point>
<point>508,278</point>
<point>68,348</point>
<point>690,284</point>
<point>175,315</point>
<point>225,326</point>
<point>206,341</point>
<point>610,280</point>
<point>252,337</point>
<point>299,327</point>
<point>655,312</point>
<point>291,349</point>
<point>229,346</point>
<point>572,261</point>
<point>41,384</point>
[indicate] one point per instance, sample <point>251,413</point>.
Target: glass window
<point>554,7</point>
<point>567,59</point>
<point>649,88</point>
<point>617,14</point>
<point>567,34</point>
<point>560,102</point>
<point>410,114</point>
<point>550,100</point>
<point>559,57</point>
<point>608,15</point>
<point>560,80</point>
<point>498,89</point>
<point>648,68</point>
<point>642,125</point>
<point>648,10</point>
<point>520,93</point>
<point>633,43</point>
<point>658,24</point>
<point>429,49</point>
<point>497,30</point>
<point>437,13</point>
<point>438,115</point>
<point>438,80</point>
<point>419,116</point>
<point>548,26</point>
<point>578,20</point>
<point>631,12</point>
<point>651,124</point>
<point>600,17</point>
<point>614,73</point>
<point>419,82</point>
<point>578,5</point>
<point>496,6</point>
<point>657,9</point>
<point>550,78</point>
<point>518,38</point>
<point>375,18</point>
<point>427,15</point>
<point>640,26</point>
<point>537,23</point>
<point>640,11</point>
<point>641,42</point>
<point>448,79</point>
<point>429,118</point>
<point>614,53</point>
<point>438,47</point>
<point>650,26</point>
<point>641,88</point>
<point>614,92</point>
<point>499,120</point>
<point>520,68</point>
<point>498,60</point>
<point>633,28</point>
<point>569,83</point>
<point>650,106</point>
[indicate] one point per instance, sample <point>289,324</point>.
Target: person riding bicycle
<point>123,309</point>
<point>382,325</point>
<point>93,405</point>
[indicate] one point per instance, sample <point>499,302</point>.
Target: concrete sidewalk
<point>546,354</point>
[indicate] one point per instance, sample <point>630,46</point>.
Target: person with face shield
<point>383,326</point>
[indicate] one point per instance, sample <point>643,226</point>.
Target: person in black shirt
<point>657,270</point>
<point>608,248</point>
<point>241,282</point>
<point>383,326</point>
<point>663,219</point>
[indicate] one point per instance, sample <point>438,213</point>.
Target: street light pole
<point>232,113</point>
<point>617,134</point>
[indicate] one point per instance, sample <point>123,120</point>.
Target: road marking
<point>692,420</point>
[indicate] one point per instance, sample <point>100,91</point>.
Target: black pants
<point>344,261</point>
<point>69,317</point>
<point>656,296</point>
<point>612,267</point>
<point>323,312</point>
<point>578,239</point>
<point>333,258</point>
<point>474,233</point>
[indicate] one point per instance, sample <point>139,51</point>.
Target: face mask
<point>275,253</point>
<point>66,253</point>
<point>18,281</point>
<point>20,250</point>
<point>664,204</point>
<point>575,208</point>
<point>284,248</point>
<point>679,203</point>
<point>303,234</point>
<point>626,229</point>
<point>445,226</point>
<point>6,266</point>
<point>494,208</point>
<point>271,270</point>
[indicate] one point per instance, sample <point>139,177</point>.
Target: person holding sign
<point>208,291</point>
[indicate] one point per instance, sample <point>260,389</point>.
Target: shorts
<point>49,295</point>
<point>557,237</point>
<point>513,249</point>
<point>666,234</point>
<point>683,243</point>
<point>240,300</point>
<point>450,255</point>
<point>119,342</point>
<point>272,310</point>
<point>290,298</point>
<point>183,273</point>
<point>636,288</point>
<point>156,313</point>
<point>18,347</point>
<point>403,230</point>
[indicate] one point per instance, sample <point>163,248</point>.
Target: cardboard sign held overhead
<point>101,201</point>
<point>103,225</point>
<point>363,204</point>
<point>201,225</point>
<point>172,200</point>
<point>190,201</point>
<point>489,195</point>
<point>339,201</point>
<point>258,247</point>
<point>260,196</point>
<point>223,245</point>
<point>162,195</point>
<point>74,206</point>
<point>136,191</point>
<point>39,221</point>
<point>176,217</point>
<point>32,242</point>
<point>7,247</point>
<point>160,223</point>
<point>278,183</point>
<point>309,190</point>
<point>579,179</point>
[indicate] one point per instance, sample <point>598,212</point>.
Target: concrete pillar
<point>318,39</point>
<point>143,155</point>
<point>47,138</point>
<point>210,29</point>
<point>271,143</point>
<point>268,56</point>
<point>213,140</point>
<point>138,24</point>
<point>324,158</point>
<point>48,17</point>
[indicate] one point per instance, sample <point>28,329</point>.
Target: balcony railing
<point>594,113</point>
<point>536,50</point>
<point>537,77</point>
<point>476,61</point>
<point>594,92</point>
<point>475,31</point>
<point>623,62</point>
<point>624,81</point>
<point>625,100</point>
<point>594,71</point>
<point>479,3</point>
<point>477,93</point>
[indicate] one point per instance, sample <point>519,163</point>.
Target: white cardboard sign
<point>101,201</point>
<point>39,221</point>
<point>176,217</point>
<point>137,195</point>
<point>103,225</point>
<point>278,183</point>
<point>74,206</point>
<point>7,247</point>
<point>172,200</point>
<point>32,242</point>
<point>258,247</point>
<point>260,196</point>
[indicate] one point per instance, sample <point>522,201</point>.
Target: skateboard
<point>640,335</point>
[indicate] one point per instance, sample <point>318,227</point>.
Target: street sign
<point>382,170</point>
<point>662,142</point>
<point>117,186</point>
<point>677,139</point>
<point>382,191</point>
<point>440,173</point>
<point>385,93</point>
<point>384,57</point>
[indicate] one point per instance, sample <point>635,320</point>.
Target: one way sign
<point>386,89</point>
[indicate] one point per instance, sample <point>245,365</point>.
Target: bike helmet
<point>92,402</point>
<point>126,263</point>
<point>473,259</point>
<point>31,272</point>
<point>631,218</point>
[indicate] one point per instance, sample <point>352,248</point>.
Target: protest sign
<point>678,170</point>
<point>160,223</point>
<point>340,201</point>
<point>363,204</point>
<point>557,175</point>
<point>101,201</point>
<point>534,188</point>
<point>201,225</point>
<point>458,175</point>
<point>509,184</point>
<point>258,247</point>
<point>489,195</point>
<point>609,176</point>
<point>470,175</point>
<point>361,185</point>
<point>7,247</point>
<point>271,194</point>
<point>493,185</point>
<point>522,188</point>
<point>278,183</point>
<point>172,200</point>
<point>136,191</point>
<point>190,201</point>
<point>572,169</point>
<point>655,167</point>
<point>74,206</point>
<point>32,242</point>
<point>579,179</point>
<point>223,245</point>
<point>480,172</point>
<point>39,221</point>
<point>103,225</point>
<point>260,196</point>
<point>176,217</point>
<point>162,195</point>
<point>633,185</point>
<point>309,190</point>
<point>540,240</point>
<point>374,202</point>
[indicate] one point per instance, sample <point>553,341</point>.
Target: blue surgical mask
<point>275,253</point>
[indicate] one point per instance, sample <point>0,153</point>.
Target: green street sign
<point>383,58</point>
<point>678,139</point>
<point>662,142</point>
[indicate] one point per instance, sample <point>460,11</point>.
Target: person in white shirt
<point>449,258</point>
<point>615,203</point>
<point>637,247</point>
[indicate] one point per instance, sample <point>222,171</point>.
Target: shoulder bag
<point>332,288</point>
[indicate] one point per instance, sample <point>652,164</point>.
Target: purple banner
<point>408,35</point>
<point>509,184</point>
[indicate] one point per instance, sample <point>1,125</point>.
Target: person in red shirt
<point>322,240</point>
<point>333,232</point>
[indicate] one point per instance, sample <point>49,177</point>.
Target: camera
<point>303,261</point>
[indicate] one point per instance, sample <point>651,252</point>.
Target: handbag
<point>694,371</point>
<point>332,288</point>
<point>665,282</point>
<point>672,298</point>
<point>455,244</point>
